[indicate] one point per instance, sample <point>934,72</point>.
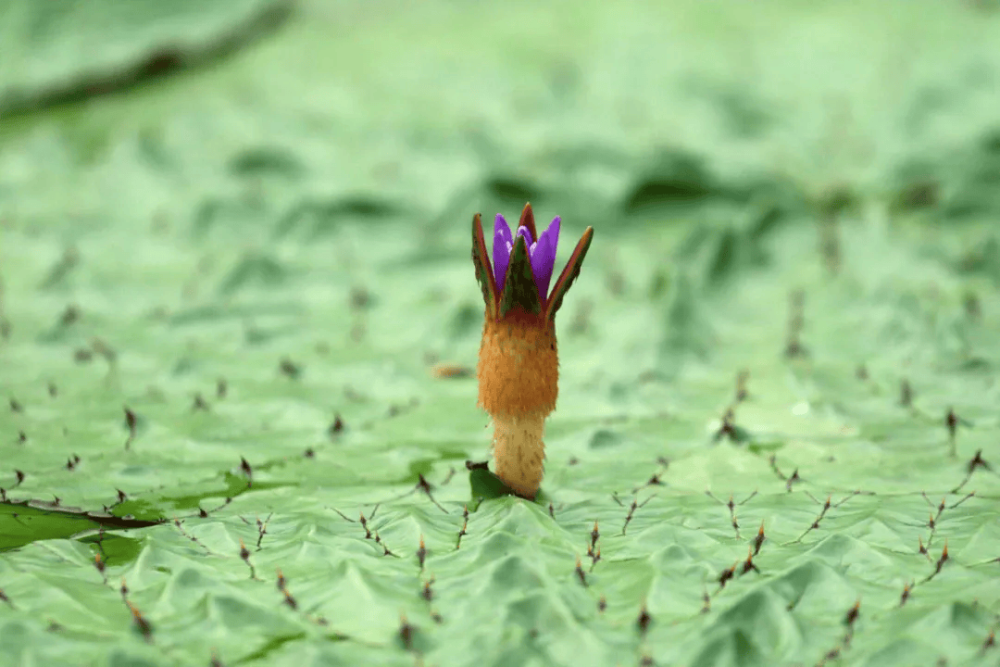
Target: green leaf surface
<point>237,317</point>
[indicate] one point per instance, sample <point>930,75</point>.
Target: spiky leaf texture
<point>568,275</point>
<point>484,272</point>
<point>233,254</point>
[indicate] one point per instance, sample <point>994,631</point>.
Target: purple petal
<point>502,244</point>
<point>543,260</point>
<point>526,233</point>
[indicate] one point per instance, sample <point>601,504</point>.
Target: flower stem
<point>519,451</point>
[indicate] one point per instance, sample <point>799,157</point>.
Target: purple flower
<point>542,253</point>
<point>507,283</point>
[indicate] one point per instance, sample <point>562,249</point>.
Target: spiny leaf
<point>569,274</point>
<point>484,273</point>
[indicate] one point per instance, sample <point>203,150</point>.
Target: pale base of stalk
<point>519,451</point>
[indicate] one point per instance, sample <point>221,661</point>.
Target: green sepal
<point>484,270</point>
<point>568,275</point>
<point>528,220</point>
<point>519,287</point>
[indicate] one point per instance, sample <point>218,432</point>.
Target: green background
<point>242,221</point>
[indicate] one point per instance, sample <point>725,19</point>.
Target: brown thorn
<point>759,540</point>
<point>406,632</point>
<point>579,572</point>
<point>130,421</point>
<point>425,486</point>
<point>644,619</point>
<point>990,642</point>
<point>726,575</point>
<point>792,480</point>
<point>852,615</point>
<point>905,595</point>
<point>140,621</point>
